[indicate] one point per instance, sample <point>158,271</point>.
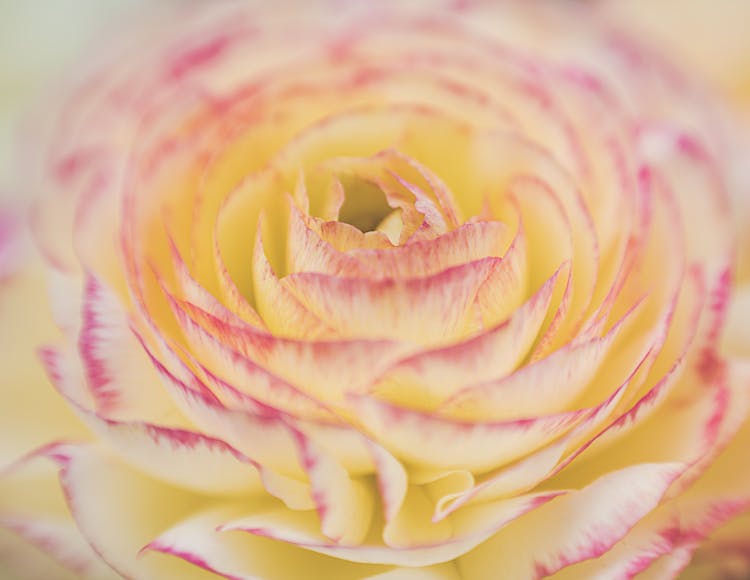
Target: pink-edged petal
<point>192,291</point>
<point>636,435</point>
<point>64,371</point>
<point>660,545</point>
<point>246,556</point>
<point>281,311</point>
<point>205,410</point>
<point>119,530</point>
<point>183,458</point>
<point>691,170</point>
<point>203,407</point>
<point>236,300</point>
<point>268,436</point>
<point>226,367</point>
<point>467,243</point>
<point>539,465</point>
<point>427,310</point>
<point>548,197</point>
<point>119,374</point>
<point>730,402</point>
<point>431,440</point>
<point>546,385</point>
<point>22,560</point>
<point>306,364</point>
<point>470,528</point>
<point>513,479</point>
<point>119,510</point>
<point>392,479</point>
<point>424,204</point>
<point>440,192</point>
<point>32,506</point>
<point>344,237</point>
<point>428,378</point>
<point>506,286</point>
<point>261,434</point>
<point>345,506</point>
<point>578,526</point>
<point>309,252</point>
<point>639,435</point>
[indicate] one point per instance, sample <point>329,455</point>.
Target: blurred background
<point>41,40</point>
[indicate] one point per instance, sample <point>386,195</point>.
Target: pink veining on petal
<point>97,373</point>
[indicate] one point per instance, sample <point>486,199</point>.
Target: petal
<point>431,440</point>
<point>426,310</point>
<point>345,505</point>
<point>308,252</point>
<point>574,527</point>
<point>426,379</point>
<point>119,374</point>
<point>471,528</point>
<point>305,364</point>
<point>506,287</point>
<point>546,385</point>
<point>226,367</point>
<point>192,291</point>
<point>32,505</point>
<point>119,510</point>
<point>180,457</point>
<point>246,556</point>
<point>660,545</point>
<point>261,435</point>
<point>393,481</point>
<point>281,311</point>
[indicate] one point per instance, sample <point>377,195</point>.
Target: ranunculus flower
<point>348,290</point>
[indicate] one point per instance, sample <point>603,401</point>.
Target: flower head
<point>352,291</point>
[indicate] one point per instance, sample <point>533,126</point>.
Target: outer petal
<point>576,527</point>
<point>470,528</point>
<point>121,379</point>
<point>245,556</point>
<point>32,507</point>
<point>430,440</point>
<point>120,510</point>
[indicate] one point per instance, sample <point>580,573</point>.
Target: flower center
<point>365,206</point>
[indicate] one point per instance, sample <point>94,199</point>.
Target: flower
<point>350,291</point>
